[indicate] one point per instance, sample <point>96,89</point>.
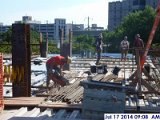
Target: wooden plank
<point>78,97</point>
<point>56,105</point>
<point>26,98</point>
<point>23,101</point>
<point>75,93</point>
<point>148,86</point>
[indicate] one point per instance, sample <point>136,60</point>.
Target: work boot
<point>97,63</point>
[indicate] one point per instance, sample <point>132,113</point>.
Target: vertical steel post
<point>70,42</point>
<point>139,71</point>
<point>21,61</point>
<point>61,32</point>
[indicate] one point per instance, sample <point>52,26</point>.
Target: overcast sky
<point>47,10</point>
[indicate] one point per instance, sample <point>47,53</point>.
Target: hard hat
<point>69,60</point>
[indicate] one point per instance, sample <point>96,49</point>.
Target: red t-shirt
<point>57,60</point>
<point>138,43</point>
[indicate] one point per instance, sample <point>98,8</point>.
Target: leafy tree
<point>6,36</point>
<point>83,43</point>
<point>6,42</point>
<point>34,41</point>
<point>5,48</point>
<point>52,47</point>
<point>137,22</point>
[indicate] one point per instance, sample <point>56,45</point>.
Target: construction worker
<point>54,67</point>
<point>139,44</point>
<point>124,46</point>
<point>99,47</point>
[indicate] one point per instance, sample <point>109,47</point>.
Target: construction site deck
<point>66,102</point>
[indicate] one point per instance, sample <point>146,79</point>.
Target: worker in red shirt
<point>139,44</point>
<point>54,67</point>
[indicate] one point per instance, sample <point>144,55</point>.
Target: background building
<point>59,24</point>
<point>119,9</point>
<point>152,3</point>
<point>95,27</point>
<point>51,31</point>
<point>4,28</point>
<point>78,27</point>
<point>47,30</point>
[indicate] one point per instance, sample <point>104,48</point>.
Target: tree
<point>52,47</point>
<point>6,41</point>
<point>83,43</point>
<point>137,22</point>
<point>6,36</point>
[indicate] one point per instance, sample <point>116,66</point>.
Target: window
<point>135,2</point>
<point>142,2</point>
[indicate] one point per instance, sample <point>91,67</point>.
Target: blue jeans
<point>50,69</point>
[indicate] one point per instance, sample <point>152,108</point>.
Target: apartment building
<point>4,28</point>
<point>78,27</point>
<point>59,23</point>
<point>47,30</point>
<point>119,9</point>
<point>51,31</point>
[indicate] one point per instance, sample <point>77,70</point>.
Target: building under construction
<point>114,86</point>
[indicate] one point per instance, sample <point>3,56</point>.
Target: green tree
<point>6,41</point>
<point>52,47</point>
<point>83,43</point>
<point>6,36</point>
<point>137,22</point>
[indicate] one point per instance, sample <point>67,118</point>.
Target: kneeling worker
<point>54,72</point>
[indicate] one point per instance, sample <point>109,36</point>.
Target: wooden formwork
<point>1,83</point>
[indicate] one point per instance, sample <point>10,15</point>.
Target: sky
<point>76,11</point>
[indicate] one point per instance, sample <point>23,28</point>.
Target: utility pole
<point>88,20</point>
<point>88,23</point>
<point>47,38</point>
